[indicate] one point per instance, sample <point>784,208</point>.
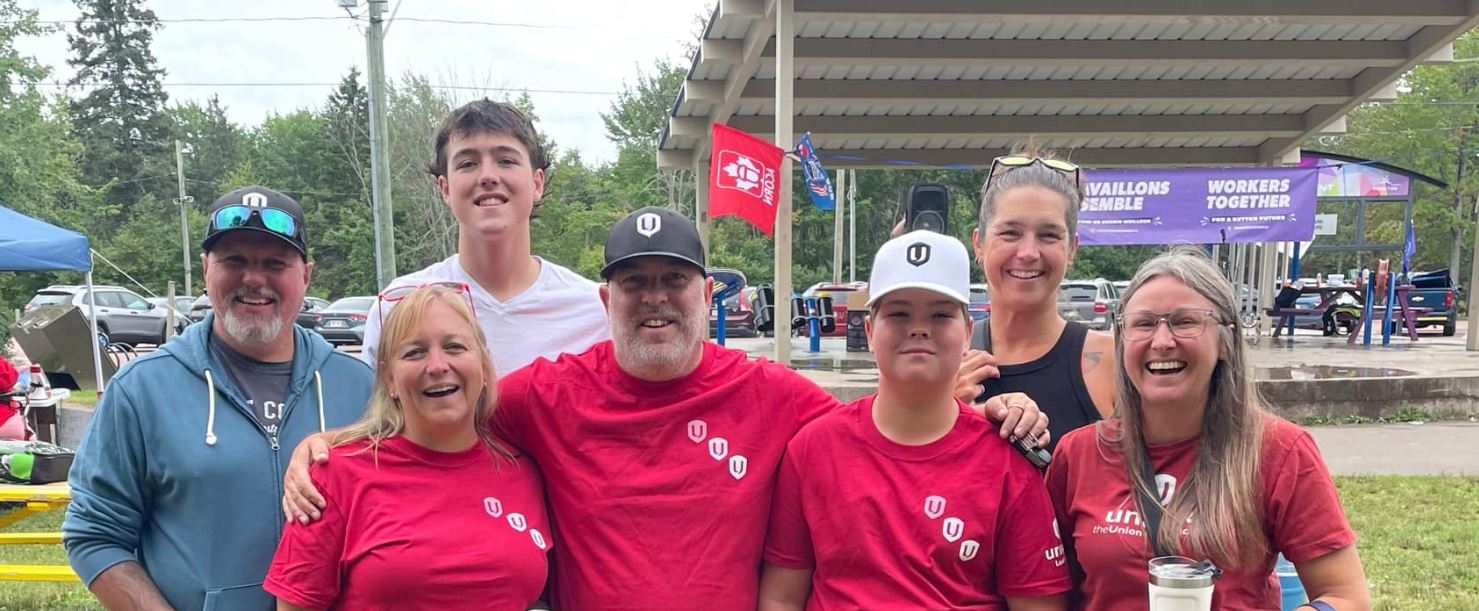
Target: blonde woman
<point>1191,448</point>
<point>425,508</point>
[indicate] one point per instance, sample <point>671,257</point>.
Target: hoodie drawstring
<point>210,419</point>
<point>318,383</point>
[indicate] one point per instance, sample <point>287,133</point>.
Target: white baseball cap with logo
<point>921,259</point>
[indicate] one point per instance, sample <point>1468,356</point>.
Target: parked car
<point>308,314</point>
<point>181,308</point>
<point>980,305</point>
<point>1095,302</point>
<point>199,308</point>
<point>123,316</point>
<point>739,319</point>
<point>343,322</point>
<point>1435,290</point>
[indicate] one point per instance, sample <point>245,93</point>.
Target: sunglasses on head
<point>397,293</point>
<point>1007,163</point>
<point>271,219</point>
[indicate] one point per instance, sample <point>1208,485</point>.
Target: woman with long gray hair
<point>424,507</point>
<point>1192,465</point>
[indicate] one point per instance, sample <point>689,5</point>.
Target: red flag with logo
<point>743,177</point>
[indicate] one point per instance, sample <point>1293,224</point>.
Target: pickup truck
<point>1435,290</point>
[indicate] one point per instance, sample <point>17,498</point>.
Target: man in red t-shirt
<point>659,449</point>
<point>905,499</point>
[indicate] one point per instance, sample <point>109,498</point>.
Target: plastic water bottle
<point>1293,590</point>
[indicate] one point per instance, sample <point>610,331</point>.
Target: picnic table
<point>1330,295</point>
<point>35,499</point>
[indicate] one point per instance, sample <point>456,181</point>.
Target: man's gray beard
<point>658,361</point>
<point>251,332</point>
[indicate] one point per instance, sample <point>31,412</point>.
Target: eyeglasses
<point>271,219</point>
<point>397,293</point>
<point>1185,323</point>
<point>1007,163</point>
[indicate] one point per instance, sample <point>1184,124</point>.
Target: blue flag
<point>818,185</point>
<point>1408,249</point>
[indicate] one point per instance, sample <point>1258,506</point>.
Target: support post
<point>380,198</point>
<point>785,74</point>
<point>701,201</point>
<point>838,211</point>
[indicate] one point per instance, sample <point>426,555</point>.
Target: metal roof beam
<point>953,92</point>
<point>973,52</point>
<point>742,9</point>
<point>1405,12</point>
<point>1375,81</point>
<point>881,127</point>
<point>759,38</point>
<point>1089,157</point>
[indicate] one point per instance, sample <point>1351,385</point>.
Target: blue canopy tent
<point>30,245</point>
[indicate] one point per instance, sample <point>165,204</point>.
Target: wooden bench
<point>1285,315</point>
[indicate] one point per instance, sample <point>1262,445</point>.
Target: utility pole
<point>1456,245</point>
<point>380,198</point>
<point>182,201</point>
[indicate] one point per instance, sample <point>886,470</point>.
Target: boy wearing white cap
<point>907,499</point>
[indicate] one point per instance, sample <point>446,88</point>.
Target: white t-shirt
<point>561,312</point>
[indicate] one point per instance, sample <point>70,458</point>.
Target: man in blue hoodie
<point>176,484</point>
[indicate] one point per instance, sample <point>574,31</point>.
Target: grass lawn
<point>1419,543</point>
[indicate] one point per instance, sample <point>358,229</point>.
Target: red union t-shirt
<point>660,492</point>
<point>958,523</point>
<point>1302,516</point>
<point>423,530</point>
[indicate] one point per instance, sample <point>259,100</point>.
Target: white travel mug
<point>1181,584</point>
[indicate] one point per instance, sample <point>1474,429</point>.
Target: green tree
<point>217,145</point>
<point>37,169</point>
<point>120,120</point>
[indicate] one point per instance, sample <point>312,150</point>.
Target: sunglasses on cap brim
<point>271,219</point>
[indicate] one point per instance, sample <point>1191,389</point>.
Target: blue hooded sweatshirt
<point>175,473</point>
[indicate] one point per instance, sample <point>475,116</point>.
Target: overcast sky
<point>573,45</point>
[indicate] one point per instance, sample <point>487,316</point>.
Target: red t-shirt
<point>1302,516</point>
<point>958,523</point>
<point>661,491</point>
<point>423,530</point>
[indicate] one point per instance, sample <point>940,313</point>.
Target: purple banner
<point>1197,206</point>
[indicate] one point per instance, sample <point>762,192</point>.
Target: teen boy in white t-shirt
<point>489,167</point>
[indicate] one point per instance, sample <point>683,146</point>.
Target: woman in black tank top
<point>1025,243</point>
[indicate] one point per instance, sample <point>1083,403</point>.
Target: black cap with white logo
<point>257,209</point>
<point>653,231</point>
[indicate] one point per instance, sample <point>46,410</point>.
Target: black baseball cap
<point>257,209</point>
<point>653,231</point>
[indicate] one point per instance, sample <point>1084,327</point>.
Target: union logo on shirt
<point>718,448</point>
<point>952,529</point>
<point>516,521</point>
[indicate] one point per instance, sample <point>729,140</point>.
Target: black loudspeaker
<point>762,302</point>
<point>826,315</point>
<point>857,336</point>
<point>928,208</point>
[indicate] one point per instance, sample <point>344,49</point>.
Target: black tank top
<point>1055,380</point>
